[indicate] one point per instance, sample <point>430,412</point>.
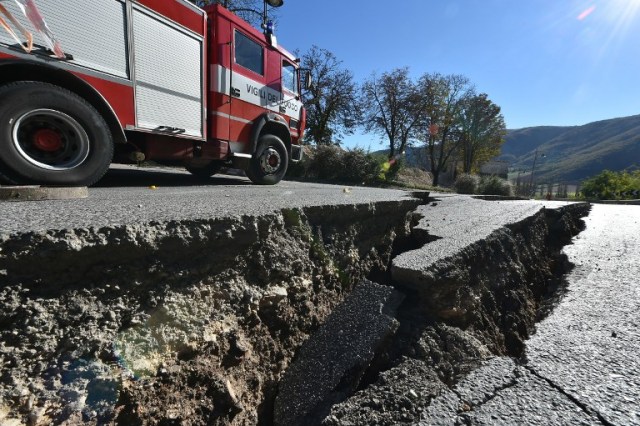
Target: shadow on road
<point>133,177</point>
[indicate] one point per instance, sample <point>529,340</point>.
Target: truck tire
<point>51,136</point>
<point>205,172</point>
<point>270,161</point>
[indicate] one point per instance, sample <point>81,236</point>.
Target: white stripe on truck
<point>254,92</point>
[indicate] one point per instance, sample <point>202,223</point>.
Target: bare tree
<point>392,107</point>
<point>249,10</point>
<point>483,131</point>
<point>332,103</point>
<point>233,4</point>
<point>444,97</point>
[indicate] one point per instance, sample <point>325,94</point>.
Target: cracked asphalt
<point>129,195</point>
<point>582,365</point>
<point>456,222</point>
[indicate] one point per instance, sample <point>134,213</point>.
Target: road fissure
<point>202,321</point>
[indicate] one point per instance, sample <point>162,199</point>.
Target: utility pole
<point>533,170</point>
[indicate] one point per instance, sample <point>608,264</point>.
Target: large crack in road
<point>473,292</point>
<point>270,319</point>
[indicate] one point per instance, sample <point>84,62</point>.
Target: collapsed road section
<point>271,319</point>
<point>474,275</point>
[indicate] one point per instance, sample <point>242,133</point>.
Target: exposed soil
<point>176,323</point>
<point>197,322</point>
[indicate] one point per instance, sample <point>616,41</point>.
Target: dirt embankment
<point>176,323</point>
<point>231,321</point>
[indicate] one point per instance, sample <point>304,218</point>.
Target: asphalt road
<point>590,346</point>
<point>581,367</point>
<point>125,196</point>
<point>456,222</point>
<point>583,364</point>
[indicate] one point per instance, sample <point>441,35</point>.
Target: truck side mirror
<point>308,80</point>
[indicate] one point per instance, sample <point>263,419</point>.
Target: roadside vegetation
<point>610,185</point>
<point>483,185</point>
<point>443,115</point>
<point>332,164</point>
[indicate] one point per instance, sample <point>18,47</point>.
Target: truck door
<point>291,104</point>
<point>250,95</point>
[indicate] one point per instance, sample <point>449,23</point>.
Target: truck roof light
<point>270,27</point>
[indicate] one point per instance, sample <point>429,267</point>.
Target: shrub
<point>326,163</point>
<point>359,166</point>
<point>610,185</point>
<point>414,177</point>
<point>466,184</point>
<point>331,163</point>
<point>493,185</point>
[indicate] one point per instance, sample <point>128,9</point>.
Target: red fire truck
<point>129,80</point>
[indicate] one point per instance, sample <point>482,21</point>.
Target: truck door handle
<point>169,129</point>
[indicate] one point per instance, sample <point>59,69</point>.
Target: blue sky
<point>545,62</point>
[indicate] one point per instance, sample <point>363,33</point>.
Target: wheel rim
<point>50,139</point>
<point>270,161</point>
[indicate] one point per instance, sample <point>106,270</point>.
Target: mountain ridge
<point>569,154</point>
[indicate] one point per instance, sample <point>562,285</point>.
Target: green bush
<point>412,177</point>
<point>359,166</point>
<point>326,163</point>
<point>610,185</point>
<point>466,184</point>
<point>331,163</point>
<point>493,185</point>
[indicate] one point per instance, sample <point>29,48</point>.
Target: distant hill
<point>572,154</point>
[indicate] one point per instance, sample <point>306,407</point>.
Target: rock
<point>278,292</point>
<point>232,393</point>
<point>331,362</point>
<point>273,296</point>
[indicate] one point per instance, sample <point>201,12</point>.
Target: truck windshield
<point>289,77</point>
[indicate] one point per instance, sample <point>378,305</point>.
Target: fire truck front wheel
<point>270,161</point>
<point>51,136</point>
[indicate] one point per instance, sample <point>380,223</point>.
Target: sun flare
<point>614,20</point>
<point>586,13</point>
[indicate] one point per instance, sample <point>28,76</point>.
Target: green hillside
<point>572,154</point>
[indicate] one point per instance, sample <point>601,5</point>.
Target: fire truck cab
<point>133,80</point>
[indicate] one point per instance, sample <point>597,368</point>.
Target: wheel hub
<point>270,160</point>
<point>47,140</point>
<point>50,139</point>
